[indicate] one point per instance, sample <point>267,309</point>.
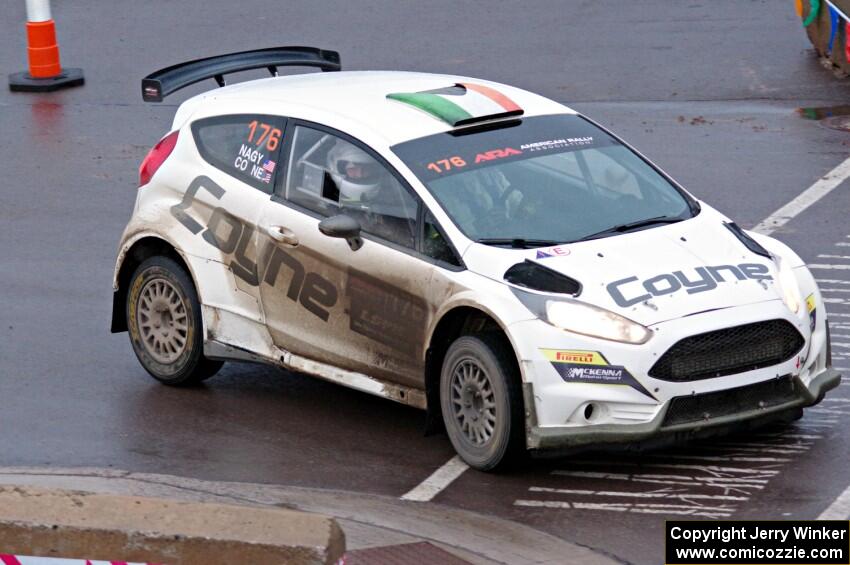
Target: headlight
<point>787,282</point>
<point>595,322</point>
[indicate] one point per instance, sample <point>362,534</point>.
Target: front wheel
<point>481,401</point>
<point>165,326</point>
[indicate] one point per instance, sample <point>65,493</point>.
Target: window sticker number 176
<point>444,165</point>
<point>268,135</point>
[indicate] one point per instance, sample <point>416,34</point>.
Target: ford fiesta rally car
<point>461,246</point>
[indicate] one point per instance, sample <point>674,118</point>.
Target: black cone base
<point>24,82</point>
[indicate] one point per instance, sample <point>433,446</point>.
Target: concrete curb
<point>368,520</point>
<point>60,523</point>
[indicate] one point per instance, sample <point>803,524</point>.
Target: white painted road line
<point>683,509</point>
<point>711,469</point>
<point>811,195</point>
<point>822,256</point>
<point>439,479</point>
<point>661,493</point>
<point>778,449</point>
<point>828,267</point>
<point>726,483</point>
<point>722,458</point>
<point>839,509</point>
<point>831,281</point>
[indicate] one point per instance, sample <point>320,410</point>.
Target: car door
<point>223,203</point>
<point>365,310</point>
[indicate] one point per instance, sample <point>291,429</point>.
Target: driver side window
<point>329,175</point>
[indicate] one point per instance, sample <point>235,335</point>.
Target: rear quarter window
<point>245,146</point>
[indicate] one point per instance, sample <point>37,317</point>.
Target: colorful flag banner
<point>834,20</point>
<point>814,8</point>
<point>837,10</point>
<point>835,17</point>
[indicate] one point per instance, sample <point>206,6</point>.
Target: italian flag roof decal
<point>461,104</point>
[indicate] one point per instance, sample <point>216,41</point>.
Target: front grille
<point>708,405</point>
<point>729,351</point>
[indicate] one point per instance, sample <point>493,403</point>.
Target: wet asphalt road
<point>708,89</point>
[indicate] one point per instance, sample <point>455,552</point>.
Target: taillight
<point>157,157</point>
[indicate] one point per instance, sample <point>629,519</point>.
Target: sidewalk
<point>378,529</point>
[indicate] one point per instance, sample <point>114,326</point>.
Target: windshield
<point>542,180</point>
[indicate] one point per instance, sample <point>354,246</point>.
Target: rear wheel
<point>481,401</point>
<point>165,326</point>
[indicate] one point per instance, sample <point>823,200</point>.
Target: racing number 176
<point>268,134</point>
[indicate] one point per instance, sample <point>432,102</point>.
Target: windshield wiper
<point>517,242</point>
<point>632,226</point>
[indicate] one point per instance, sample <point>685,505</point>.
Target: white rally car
<point>461,246</point>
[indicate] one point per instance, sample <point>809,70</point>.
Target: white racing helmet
<point>357,175</point>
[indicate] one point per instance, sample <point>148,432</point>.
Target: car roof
<point>356,98</point>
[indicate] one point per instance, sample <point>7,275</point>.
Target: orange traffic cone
<point>45,73</point>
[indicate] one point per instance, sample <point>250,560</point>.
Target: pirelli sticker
<point>811,306</point>
<point>577,366</point>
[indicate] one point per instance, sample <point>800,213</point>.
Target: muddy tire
<point>164,323</point>
<point>481,401</point>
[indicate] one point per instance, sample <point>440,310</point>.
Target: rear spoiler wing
<point>157,85</point>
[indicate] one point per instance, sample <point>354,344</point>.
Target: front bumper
<point>556,410</point>
<point>656,433</point>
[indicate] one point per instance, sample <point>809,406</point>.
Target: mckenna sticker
<point>577,366</point>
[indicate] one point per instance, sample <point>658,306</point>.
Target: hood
<point>652,275</point>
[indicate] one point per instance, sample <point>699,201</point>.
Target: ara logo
<point>497,154</point>
<point>630,290</point>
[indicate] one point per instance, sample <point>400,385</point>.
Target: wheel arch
<point>132,255</point>
<point>464,319</point>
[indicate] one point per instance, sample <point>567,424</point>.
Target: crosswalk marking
<point>660,493</point>
<point>820,266</point>
<point>437,481</point>
<point>679,509</point>
<point>811,195</point>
